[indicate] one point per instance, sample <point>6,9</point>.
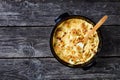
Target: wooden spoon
<point>100,22</point>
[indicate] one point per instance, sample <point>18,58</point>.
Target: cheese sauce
<point>67,40</point>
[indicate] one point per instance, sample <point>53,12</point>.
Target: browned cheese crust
<point>67,37</point>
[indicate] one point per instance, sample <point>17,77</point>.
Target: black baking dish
<point>58,21</point>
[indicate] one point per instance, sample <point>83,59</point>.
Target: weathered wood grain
<point>15,69</point>
<point>24,41</point>
<point>43,12</point>
<point>49,68</point>
<point>17,44</point>
<point>34,41</point>
<point>110,40</point>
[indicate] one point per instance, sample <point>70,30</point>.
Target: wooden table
<point>25,28</point>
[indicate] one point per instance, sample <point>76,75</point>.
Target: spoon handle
<point>100,22</point>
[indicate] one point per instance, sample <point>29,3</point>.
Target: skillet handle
<point>61,17</point>
<point>88,66</point>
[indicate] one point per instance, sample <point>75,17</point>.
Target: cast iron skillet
<point>59,20</point>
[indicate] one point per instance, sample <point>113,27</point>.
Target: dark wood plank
<point>106,68</point>
<point>43,12</point>
<point>34,41</point>
<point>24,42</point>
<point>15,69</point>
<point>110,40</point>
<point>49,68</point>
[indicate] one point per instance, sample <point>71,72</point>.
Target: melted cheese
<point>67,41</point>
